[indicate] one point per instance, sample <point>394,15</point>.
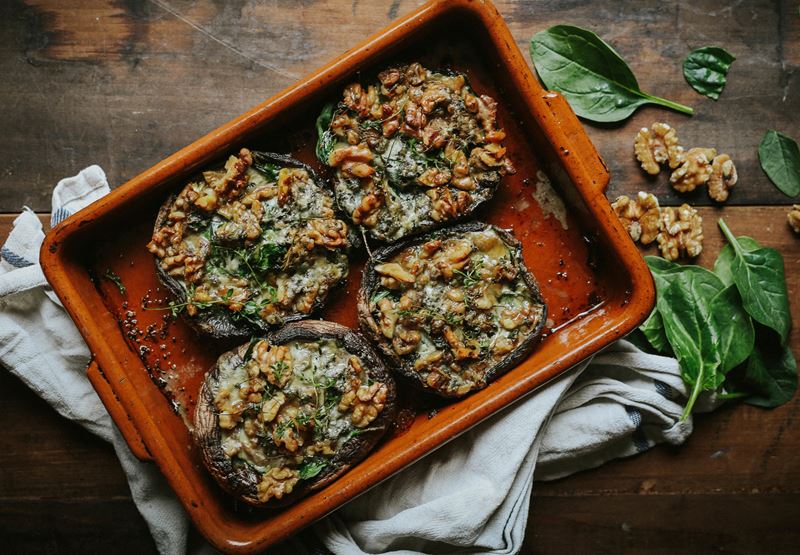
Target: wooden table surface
<point>124,83</point>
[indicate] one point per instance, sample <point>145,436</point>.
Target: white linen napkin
<point>470,496</point>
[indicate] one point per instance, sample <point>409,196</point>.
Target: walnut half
<point>723,177</point>
<point>641,216</point>
<point>656,146</point>
<point>277,482</point>
<point>694,171</point>
<point>681,232</point>
<point>365,401</point>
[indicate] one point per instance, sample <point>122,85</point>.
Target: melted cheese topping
<point>287,409</point>
<point>257,241</point>
<point>454,308</point>
<point>412,151</point>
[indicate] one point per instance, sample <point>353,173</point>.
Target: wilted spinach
<point>780,159</point>
<point>591,75</point>
<point>706,70</point>
<point>311,468</point>
<point>325,139</point>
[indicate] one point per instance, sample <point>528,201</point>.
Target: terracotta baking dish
<point>594,280</point>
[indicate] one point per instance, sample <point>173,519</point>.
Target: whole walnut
<point>656,146</point>
<point>640,216</point>
<point>694,171</point>
<point>681,232</point>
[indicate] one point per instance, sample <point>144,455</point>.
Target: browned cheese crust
<point>412,151</point>
<point>250,246</point>
<point>453,309</point>
<point>282,416</point>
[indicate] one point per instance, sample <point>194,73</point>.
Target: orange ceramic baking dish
<point>596,284</point>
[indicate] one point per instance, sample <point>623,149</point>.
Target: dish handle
<point>117,412</point>
<point>578,139</point>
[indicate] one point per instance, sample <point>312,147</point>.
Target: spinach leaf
<point>658,264</point>
<point>690,336</point>
<point>270,170</point>
<point>780,159</point>
<point>706,70</point>
<point>759,277</point>
<point>311,468</point>
<point>653,331</point>
<point>325,139</point>
<point>771,375</point>
<point>594,79</point>
<point>722,266</point>
<point>733,327</point>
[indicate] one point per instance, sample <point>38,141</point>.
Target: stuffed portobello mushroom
<point>250,246</point>
<point>412,151</point>
<point>290,413</point>
<point>453,309</point>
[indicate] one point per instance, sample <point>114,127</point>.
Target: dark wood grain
<point>123,83</point>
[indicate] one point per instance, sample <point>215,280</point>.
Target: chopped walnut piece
<point>460,350</point>
<point>320,448</point>
<point>454,256</point>
<point>723,178</point>
<point>447,204</point>
<point>681,232</point>
<point>656,146</point>
<point>270,408</point>
<point>366,212</point>
<point>354,153</point>
<point>434,177</point>
<point>794,218</point>
<point>365,402</point>
<point>287,430</point>
<point>641,216</point>
<point>318,232</point>
<point>277,482</point>
<point>405,341</point>
<point>388,317</point>
<point>695,170</point>
<point>395,270</point>
<point>275,362</point>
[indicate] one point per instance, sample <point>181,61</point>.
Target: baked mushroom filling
<point>288,409</point>
<point>453,308</point>
<point>257,241</point>
<point>412,151</point>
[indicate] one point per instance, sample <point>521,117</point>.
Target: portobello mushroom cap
<point>249,483</point>
<point>196,233</point>
<point>453,309</point>
<point>412,151</point>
